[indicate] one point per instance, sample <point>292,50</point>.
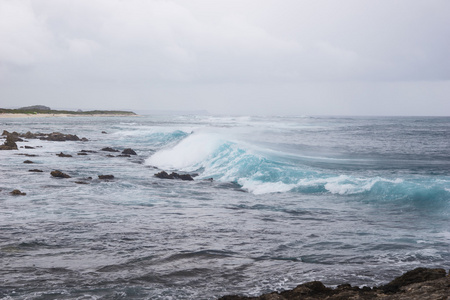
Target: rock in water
<point>173,175</point>
<point>105,176</point>
<point>36,170</point>
<point>59,174</point>
<point>9,144</point>
<point>63,155</point>
<point>109,149</point>
<point>28,162</point>
<point>17,193</point>
<point>129,151</point>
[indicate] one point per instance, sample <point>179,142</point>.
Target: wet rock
<point>110,155</point>
<point>82,153</point>
<point>63,155</point>
<point>104,132</point>
<point>81,182</point>
<point>88,151</point>
<point>129,151</point>
<point>59,174</point>
<point>109,149</point>
<point>9,144</point>
<point>124,155</point>
<point>173,175</point>
<point>107,177</point>
<point>17,193</point>
<point>29,147</point>
<point>418,284</point>
<point>28,162</point>
<point>36,170</point>
<point>84,139</point>
<point>413,276</point>
<point>60,137</point>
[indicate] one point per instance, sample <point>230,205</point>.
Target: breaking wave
<point>262,171</point>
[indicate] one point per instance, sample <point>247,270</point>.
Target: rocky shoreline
<point>417,284</point>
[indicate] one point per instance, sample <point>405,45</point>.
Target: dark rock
<point>28,162</point>
<point>60,137</point>
<point>59,174</point>
<point>82,153</point>
<point>105,176</point>
<point>413,276</point>
<point>104,132</point>
<point>5,133</point>
<point>17,193</point>
<point>109,149</point>
<point>173,175</point>
<point>124,155</point>
<point>81,182</point>
<point>88,151</point>
<point>29,147</point>
<point>36,170</point>
<point>84,139</point>
<point>418,284</point>
<point>29,135</point>
<point>109,155</point>
<point>9,144</point>
<point>63,155</point>
<point>129,151</point>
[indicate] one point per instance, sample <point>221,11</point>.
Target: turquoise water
<point>292,199</point>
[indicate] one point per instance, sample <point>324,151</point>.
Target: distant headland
<point>45,111</point>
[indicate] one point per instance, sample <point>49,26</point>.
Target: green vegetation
<point>68,112</point>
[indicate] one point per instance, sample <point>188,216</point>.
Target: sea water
<point>277,201</point>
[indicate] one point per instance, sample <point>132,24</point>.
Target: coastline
<point>44,115</point>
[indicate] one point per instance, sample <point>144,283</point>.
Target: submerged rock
<point>129,151</point>
<point>17,193</point>
<point>28,162</point>
<point>82,153</point>
<point>63,155</point>
<point>36,171</point>
<point>59,174</point>
<point>109,149</point>
<point>173,175</point>
<point>105,176</point>
<point>29,147</point>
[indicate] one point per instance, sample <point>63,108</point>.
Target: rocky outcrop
<point>418,284</point>
<point>59,137</point>
<point>63,155</point>
<point>17,193</point>
<point>173,175</point>
<point>129,151</point>
<point>54,136</point>
<point>9,144</point>
<point>109,149</point>
<point>59,174</point>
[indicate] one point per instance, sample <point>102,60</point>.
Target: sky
<point>240,57</point>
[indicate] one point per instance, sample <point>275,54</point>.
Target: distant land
<point>42,109</point>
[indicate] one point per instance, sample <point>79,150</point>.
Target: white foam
<point>188,154</point>
<point>259,188</point>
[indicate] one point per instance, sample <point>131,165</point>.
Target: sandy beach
<point>62,115</point>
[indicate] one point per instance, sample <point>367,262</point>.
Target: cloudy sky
<point>301,57</point>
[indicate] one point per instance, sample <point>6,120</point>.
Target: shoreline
<point>44,115</point>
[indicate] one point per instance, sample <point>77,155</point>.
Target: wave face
<point>263,157</point>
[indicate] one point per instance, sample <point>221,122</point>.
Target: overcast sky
<point>347,57</point>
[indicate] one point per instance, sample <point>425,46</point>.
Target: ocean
<point>275,202</point>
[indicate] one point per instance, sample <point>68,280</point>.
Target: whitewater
<point>275,201</point>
